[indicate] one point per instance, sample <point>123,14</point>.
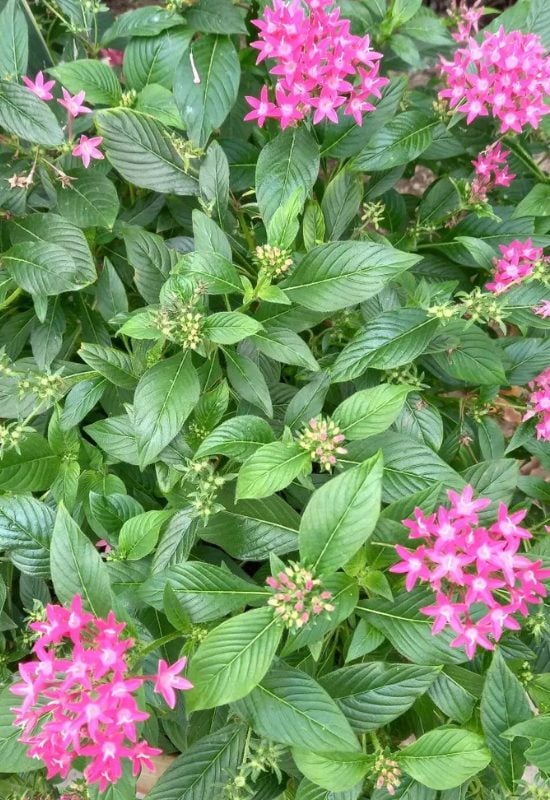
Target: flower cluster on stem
<point>491,171</point>
<point>387,772</point>
<point>519,261</point>
<point>319,64</point>
<point>298,596</point>
<point>479,577</point>
<point>466,19</point>
<point>272,261</point>
<point>323,439</point>
<point>78,696</point>
<point>506,76</point>
<point>539,404</point>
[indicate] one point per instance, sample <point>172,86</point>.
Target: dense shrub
<point>275,399</point>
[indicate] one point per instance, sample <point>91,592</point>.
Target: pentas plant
<point>274,278</point>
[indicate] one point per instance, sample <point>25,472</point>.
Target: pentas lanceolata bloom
<point>39,87</point>
<point>466,19</point>
<point>320,66</point>
<point>479,578</point>
<point>491,171</point>
<point>539,403</point>
<point>506,76</point>
<point>111,57</point>
<point>323,439</point>
<point>87,148</point>
<point>298,596</point>
<point>520,260</point>
<point>543,310</point>
<point>78,696</point>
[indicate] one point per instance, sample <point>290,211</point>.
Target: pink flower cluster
<point>87,148</point>
<point>520,260</point>
<point>540,404</point>
<point>543,310</point>
<point>79,696</point>
<point>466,18</point>
<point>112,57</point>
<point>479,578</point>
<point>491,170</point>
<point>320,65</point>
<point>506,75</point>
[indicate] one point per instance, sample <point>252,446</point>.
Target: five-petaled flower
<point>168,679</point>
<point>87,148</point>
<point>39,87</point>
<point>74,103</point>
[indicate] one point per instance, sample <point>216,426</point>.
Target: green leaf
<point>504,703</point>
<point>282,344</point>
<point>110,298</point>
<point>287,163</point>
<point>95,77</point>
<point>146,21</point>
<point>204,766</point>
<point>111,511</point>
<point>399,142</point>
<point>341,274</point>
<point>537,730</point>
<point>32,469</point>
<point>23,114</point>
<point>89,201</point>
<point>77,567</point>
<point>164,398</point>
<point>153,59</point>
<point>340,517</point>
<point>247,380</point>
<point>391,339</point>
<point>284,225</point>
<point>80,401</point>
<point>207,592</point>
<point>475,359</point>
<point>535,204</point>
<point>233,658</point>
<point>151,259</point>
<point>409,630</point>
<point>252,529</point>
<point>47,336</point>
<point>445,758</point>
<point>336,771</point>
<point>115,365</point>
<point>372,695</point>
<point>341,201</point>
<point>14,41</point>
<point>229,327</point>
<point>206,94</point>
<point>214,181</point>
<point>116,437</point>
<point>41,268</point>
<point>215,271</point>
<point>216,16</point>
<point>238,438</point>
<point>13,752</point>
<point>290,707</point>
<point>139,535</point>
<point>139,148</point>
<point>26,527</point>
<point>370,411</point>
<point>271,468</point>
<point>441,200</point>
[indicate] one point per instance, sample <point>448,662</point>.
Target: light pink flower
<point>87,148</point>
<point>73,103</point>
<point>543,310</point>
<point>38,87</point>
<point>168,679</point>
<point>466,19</point>
<point>490,171</point>
<point>539,404</point>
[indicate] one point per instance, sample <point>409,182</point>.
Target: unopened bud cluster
<point>181,322</point>
<point>203,500</point>
<point>388,774</point>
<point>11,436</point>
<point>45,386</point>
<point>273,262</point>
<point>480,306</point>
<point>298,596</point>
<point>322,438</point>
<point>373,214</point>
<point>408,375</point>
<point>186,150</point>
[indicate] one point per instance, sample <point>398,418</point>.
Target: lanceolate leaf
<point>24,115</point>
<point>233,658</point>
<point>445,758</point>
<point>12,751</point>
<point>271,468</point>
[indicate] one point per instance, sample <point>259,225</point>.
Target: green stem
<point>9,300</point>
<point>170,637</point>
<point>526,159</point>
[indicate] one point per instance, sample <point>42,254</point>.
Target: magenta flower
<point>471,567</point>
<point>543,310</point>
<point>319,64</point>
<point>38,87</point>
<point>490,171</point>
<point>87,148</point>
<point>507,76</point>
<point>466,19</point>
<point>539,404</point>
<point>73,104</point>
<point>168,679</point>
<point>111,57</point>
<point>520,261</point>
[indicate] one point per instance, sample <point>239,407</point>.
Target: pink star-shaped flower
<point>87,149</point>
<point>168,679</point>
<point>38,87</point>
<point>73,103</point>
